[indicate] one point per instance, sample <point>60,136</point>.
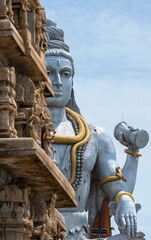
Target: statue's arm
<point>106,166</point>
<point>130,171</point>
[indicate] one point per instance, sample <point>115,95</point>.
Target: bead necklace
<point>79,155</point>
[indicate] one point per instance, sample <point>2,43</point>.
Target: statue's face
<point>59,70</point>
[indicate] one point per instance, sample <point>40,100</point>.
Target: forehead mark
<point>58,62</point>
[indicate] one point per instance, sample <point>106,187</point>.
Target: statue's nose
<point>57,80</point>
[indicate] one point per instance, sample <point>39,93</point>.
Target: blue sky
<point>110,41</point>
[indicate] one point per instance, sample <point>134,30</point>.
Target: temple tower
<point>31,185</point>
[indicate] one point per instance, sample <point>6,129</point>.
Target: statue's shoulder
<point>103,137</point>
<point>100,131</point>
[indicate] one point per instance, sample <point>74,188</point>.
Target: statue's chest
<point>91,152</point>
<point>64,160</point>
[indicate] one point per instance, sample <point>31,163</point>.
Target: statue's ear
<point>137,206</point>
<point>72,103</point>
<point>112,206</point>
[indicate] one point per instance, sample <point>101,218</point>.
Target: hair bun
<point>55,36</point>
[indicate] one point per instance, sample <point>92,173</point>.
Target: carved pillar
<point>8,106</point>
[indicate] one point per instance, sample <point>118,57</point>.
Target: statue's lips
<point>58,93</point>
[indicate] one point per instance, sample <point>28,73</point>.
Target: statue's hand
<point>127,144</point>
<point>123,236</point>
<point>125,216</point>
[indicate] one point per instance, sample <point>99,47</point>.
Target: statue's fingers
<point>128,226</point>
<point>132,226</point>
<point>122,226</point>
<point>135,225</point>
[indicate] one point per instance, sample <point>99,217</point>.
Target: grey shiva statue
<point>86,156</point>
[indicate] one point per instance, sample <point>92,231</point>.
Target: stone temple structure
<point>31,185</point>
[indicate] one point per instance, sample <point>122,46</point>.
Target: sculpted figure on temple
<point>86,155</point>
<point>9,9</point>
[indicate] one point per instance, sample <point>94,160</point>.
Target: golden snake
<point>80,139</point>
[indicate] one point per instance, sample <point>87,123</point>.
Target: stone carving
<point>25,90</point>
<point>25,6</point>
<point>19,213</point>
<point>33,109</point>
<point>26,212</point>
<point>9,10</point>
<point>41,118</point>
<point>26,202</point>
<point>8,107</point>
<point>86,156</point>
<point>13,204</point>
<point>3,176</point>
<point>41,41</point>
<point>38,208</point>
<point>35,124</point>
<point>48,138</point>
<point>28,17</point>
<point>6,10</point>
<point>51,227</point>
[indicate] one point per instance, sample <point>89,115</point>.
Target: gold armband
<point>119,195</point>
<point>137,154</point>
<point>118,176</point>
